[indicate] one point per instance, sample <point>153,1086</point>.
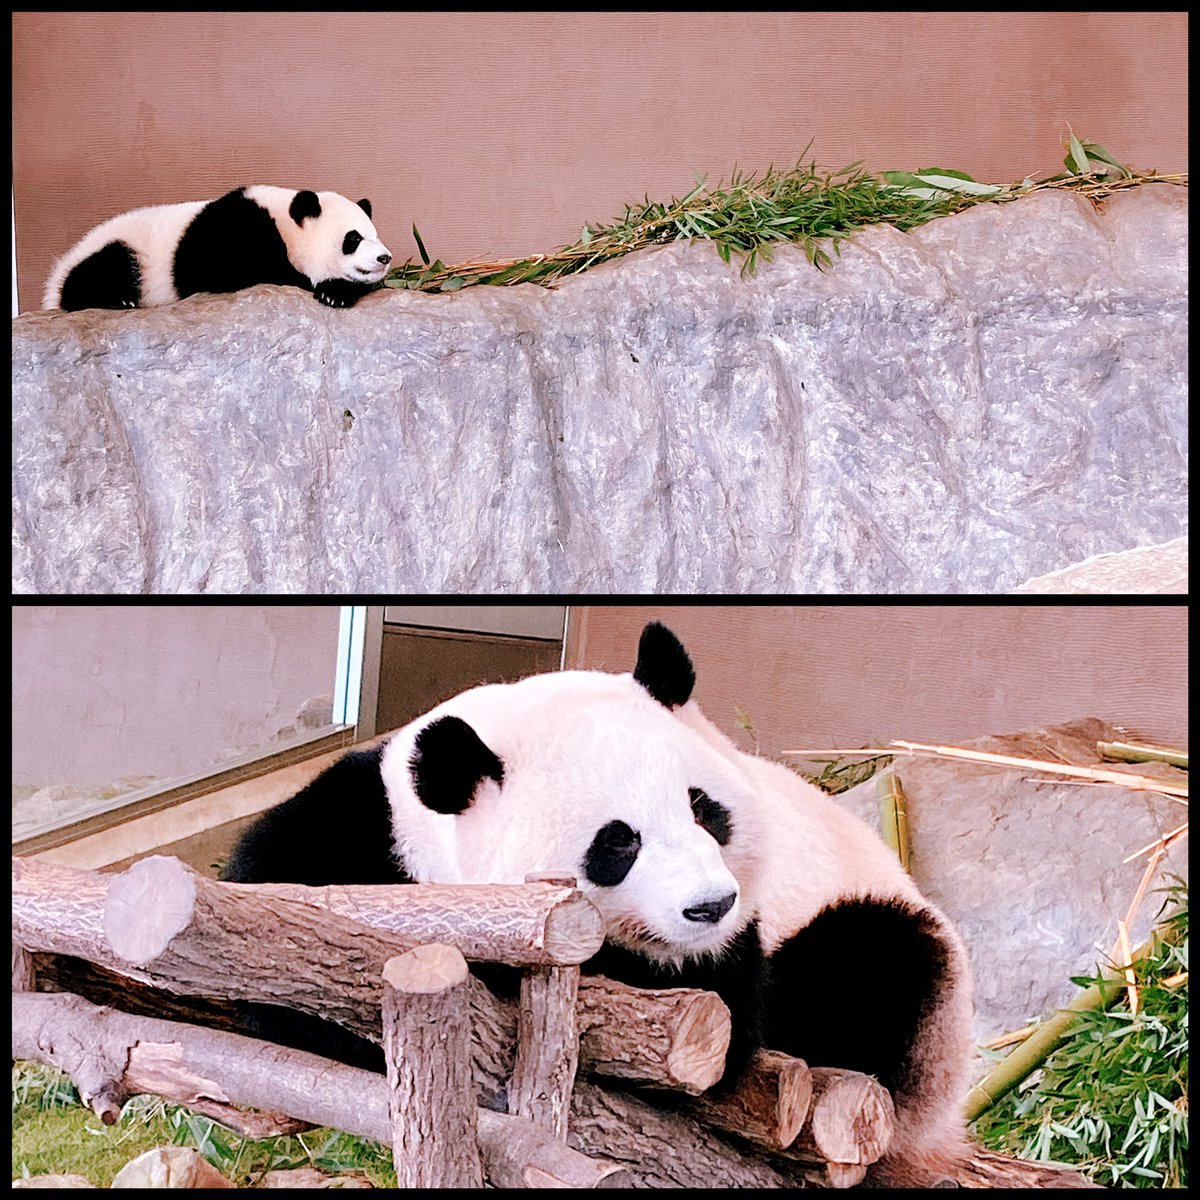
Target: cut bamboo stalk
<point>1051,1033</point>
<point>893,815</point>
<point>1142,752</point>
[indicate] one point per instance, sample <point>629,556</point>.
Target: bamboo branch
<point>1143,783</point>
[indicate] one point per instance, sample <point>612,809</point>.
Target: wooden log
<point>768,1106</point>
<point>427,1045</point>
<point>547,1039</point>
<point>244,943</point>
<point>543,923</point>
<point>23,979</point>
<point>831,1174</point>
<point>672,1037</point>
<point>851,1120</point>
<point>546,923</point>
<point>183,1062</point>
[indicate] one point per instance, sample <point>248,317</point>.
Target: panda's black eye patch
<point>351,242</point>
<point>612,853</point>
<point>711,816</point>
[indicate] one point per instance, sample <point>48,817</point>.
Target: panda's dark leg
<point>849,990</point>
<point>341,293</point>
<point>110,278</point>
<point>287,1027</point>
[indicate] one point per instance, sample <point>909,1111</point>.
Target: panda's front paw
<point>338,293</point>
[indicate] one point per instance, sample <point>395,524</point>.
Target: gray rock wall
<point>989,398</point>
<point>1029,868</point>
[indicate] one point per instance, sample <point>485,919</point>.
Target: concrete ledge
<point>987,399</point>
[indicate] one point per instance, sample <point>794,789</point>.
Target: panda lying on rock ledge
<point>318,241</point>
<point>712,868</point>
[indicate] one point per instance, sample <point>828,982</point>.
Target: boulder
<point>986,399</point>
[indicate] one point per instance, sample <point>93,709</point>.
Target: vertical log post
<point>427,1044</point>
<point>547,1039</point>
<point>22,975</point>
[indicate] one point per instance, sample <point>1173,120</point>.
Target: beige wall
<point>103,692</point>
<point>501,133</point>
<point>823,675</point>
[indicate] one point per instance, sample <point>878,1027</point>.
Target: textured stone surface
<point>989,398</point>
<point>1029,869</point>
<point>1161,570</point>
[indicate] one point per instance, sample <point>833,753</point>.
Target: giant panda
<point>712,869</point>
<point>319,241</point>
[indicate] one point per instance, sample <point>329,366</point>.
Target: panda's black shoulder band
<point>663,667</point>
<point>448,762</point>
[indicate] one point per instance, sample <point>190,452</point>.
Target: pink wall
<point>501,133</point>
<point>816,675</point>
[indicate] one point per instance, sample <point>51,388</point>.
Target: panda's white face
<point>584,772</point>
<point>327,235</point>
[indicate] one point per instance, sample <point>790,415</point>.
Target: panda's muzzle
<point>711,911</point>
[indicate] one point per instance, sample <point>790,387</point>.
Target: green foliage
<point>841,774</point>
<point>1112,1100</point>
<point>749,215</point>
<point>54,1134</point>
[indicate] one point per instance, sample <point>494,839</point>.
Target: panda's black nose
<point>385,259</point>
<point>711,911</point>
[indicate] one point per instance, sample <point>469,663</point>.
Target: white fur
<point>314,247</point>
<point>809,852</point>
<point>151,233</point>
<point>580,749</point>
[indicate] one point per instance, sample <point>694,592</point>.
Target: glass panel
<point>112,700</point>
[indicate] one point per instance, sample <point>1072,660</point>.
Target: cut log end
<point>147,906</point>
<point>426,970</point>
<point>697,1059</point>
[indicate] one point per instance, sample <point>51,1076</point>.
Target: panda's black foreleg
<point>341,293</point>
<point>110,278</point>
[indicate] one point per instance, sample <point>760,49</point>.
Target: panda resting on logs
<point>318,241</point>
<point>712,869</point>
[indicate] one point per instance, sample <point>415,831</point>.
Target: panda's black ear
<point>365,205</point>
<point>448,762</point>
<point>304,204</point>
<point>663,667</point>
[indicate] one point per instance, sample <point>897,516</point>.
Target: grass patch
<point>1112,1100</point>
<point>749,214</point>
<point>53,1134</point>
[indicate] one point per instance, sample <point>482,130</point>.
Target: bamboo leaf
<point>420,245</point>
<point>1077,159</point>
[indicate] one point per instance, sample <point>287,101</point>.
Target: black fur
<point>303,206</point>
<point>233,243</point>
<point>448,762</point>
<point>612,854</point>
<point>711,816</point>
<point>848,990</point>
<point>110,278</point>
<point>337,830</point>
<point>341,293</point>
<point>663,667</point>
